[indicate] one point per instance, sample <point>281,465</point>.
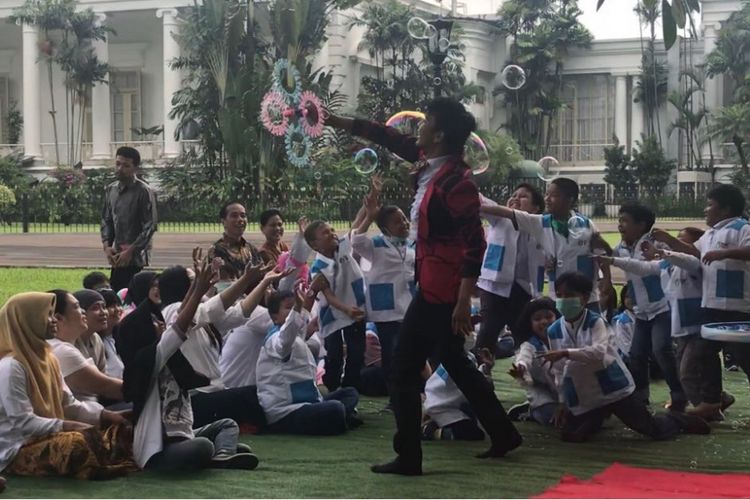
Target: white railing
<point>49,153</point>
<point>151,151</point>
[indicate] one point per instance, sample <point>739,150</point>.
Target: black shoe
<point>732,368</point>
<point>727,400</point>
<point>353,421</point>
<point>690,424</point>
<point>243,448</point>
<point>246,461</point>
<point>430,431</point>
<point>517,412</point>
<point>499,451</point>
<point>396,467</point>
<point>388,407</point>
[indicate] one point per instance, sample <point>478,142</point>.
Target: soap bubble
<point>513,77</point>
<point>509,150</point>
<point>476,155</point>
<point>420,29</point>
<point>547,165</point>
<point>437,81</point>
<point>317,175</point>
<point>406,122</point>
<point>366,161</point>
<point>693,464</point>
<point>444,44</point>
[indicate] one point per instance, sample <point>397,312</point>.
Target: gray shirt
<point>129,219</point>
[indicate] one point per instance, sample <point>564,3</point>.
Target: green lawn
<point>338,466</point>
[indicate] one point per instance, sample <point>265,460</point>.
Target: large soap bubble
<point>549,167</point>
<point>420,29</point>
<point>476,154</point>
<point>513,77</point>
<point>366,161</point>
<point>406,122</point>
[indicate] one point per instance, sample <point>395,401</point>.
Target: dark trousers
<point>655,336</point>
<point>326,418</point>
<point>120,277</point>
<point>695,376</point>
<point>387,336</point>
<point>463,430</point>
<point>427,330</point>
<point>239,403</point>
<point>498,312</point>
<point>373,381</point>
<point>631,410</point>
<point>709,354</point>
<point>354,337</point>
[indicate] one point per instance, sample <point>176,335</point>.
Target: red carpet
<point>622,481</point>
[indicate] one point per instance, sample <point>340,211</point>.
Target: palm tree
<point>733,123</point>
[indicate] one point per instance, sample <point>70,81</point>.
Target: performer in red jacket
<point>450,244</point>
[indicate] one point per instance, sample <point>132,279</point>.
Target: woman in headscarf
<point>39,415</point>
<point>142,285</point>
<point>157,378</point>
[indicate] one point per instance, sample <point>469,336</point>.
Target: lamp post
<point>439,51</point>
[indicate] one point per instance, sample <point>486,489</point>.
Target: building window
<point>586,123</point>
<point>481,96</point>
<point>125,89</point>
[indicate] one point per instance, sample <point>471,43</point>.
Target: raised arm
<point>402,145</point>
<point>674,244</point>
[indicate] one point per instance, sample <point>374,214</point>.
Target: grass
<point>338,466</point>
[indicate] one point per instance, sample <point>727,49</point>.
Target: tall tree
<point>544,31</point>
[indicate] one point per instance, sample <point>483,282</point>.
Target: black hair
<point>174,284</point>
<point>228,271</point>
<point>453,120</point>
<point>311,229</point>
<point>694,232</point>
<point>537,198</point>
<point>383,214</point>
<point>640,213</point>
<point>274,301</point>
<point>569,187</point>
<point>522,329</point>
<point>225,207</point>
<point>575,282</point>
<point>94,280</point>
<point>266,215</point>
<point>61,300</point>
<point>110,297</point>
<point>624,293</point>
<point>729,197</point>
<point>128,152</point>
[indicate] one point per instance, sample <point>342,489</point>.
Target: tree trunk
<point>737,140</point>
<point>53,112</point>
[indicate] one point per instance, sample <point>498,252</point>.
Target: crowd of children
<point>246,341</point>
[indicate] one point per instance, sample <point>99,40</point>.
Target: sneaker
<point>519,412</point>
<point>243,448</point>
<point>353,421</point>
<point>246,461</point>
<point>732,368</point>
<point>707,411</point>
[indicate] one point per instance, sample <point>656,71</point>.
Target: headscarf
<point>139,286</point>
<point>136,341</point>
<point>23,333</point>
<point>110,297</point>
<point>87,298</point>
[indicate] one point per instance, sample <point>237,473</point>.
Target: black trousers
<point>240,404</point>
<point>498,312</point>
<point>426,331</point>
<point>631,410</point>
<point>354,338</point>
<point>120,277</point>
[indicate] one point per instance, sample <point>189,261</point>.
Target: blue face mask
<point>570,308</point>
<point>223,285</point>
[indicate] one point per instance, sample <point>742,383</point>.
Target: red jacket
<point>450,237</point>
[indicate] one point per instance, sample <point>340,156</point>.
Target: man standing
<point>450,245</point>
<point>128,219</point>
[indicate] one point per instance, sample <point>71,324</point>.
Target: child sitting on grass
<point>592,380</point>
<point>528,368</point>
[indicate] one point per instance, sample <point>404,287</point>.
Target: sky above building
<point>615,19</point>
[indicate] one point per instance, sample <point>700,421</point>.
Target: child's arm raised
<point>353,312</point>
<point>675,244</point>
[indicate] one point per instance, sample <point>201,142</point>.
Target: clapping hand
<point>517,371</point>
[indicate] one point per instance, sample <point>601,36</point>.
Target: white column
<point>101,105</point>
<point>621,109</point>
<point>32,122</point>
<point>713,91</point>
<point>171,78</point>
<point>637,119</point>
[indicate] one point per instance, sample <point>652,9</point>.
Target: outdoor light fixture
<point>437,48</point>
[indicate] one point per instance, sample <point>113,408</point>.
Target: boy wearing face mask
<point>592,380</point>
<point>388,267</point>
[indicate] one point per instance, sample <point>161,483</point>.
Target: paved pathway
<point>84,250</point>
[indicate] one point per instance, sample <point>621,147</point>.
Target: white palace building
<point>599,84</point>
